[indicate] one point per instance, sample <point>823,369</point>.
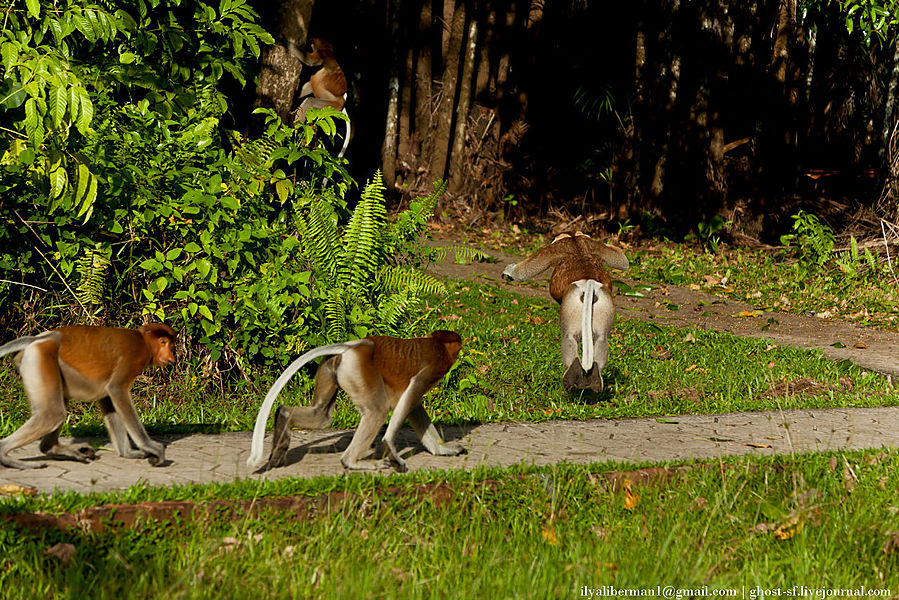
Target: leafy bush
<point>123,194</point>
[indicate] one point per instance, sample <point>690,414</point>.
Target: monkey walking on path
<point>86,364</point>
<point>378,374</point>
<point>582,286</point>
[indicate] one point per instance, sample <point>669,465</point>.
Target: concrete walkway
<point>222,457</point>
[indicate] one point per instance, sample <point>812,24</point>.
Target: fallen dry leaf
<point>689,338</point>
<point>789,528</point>
<point>63,552</point>
<point>892,544</point>
<point>549,535</point>
<point>630,498</point>
<point>755,445</point>
<point>749,313</point>
<point>11,489</point>
<point>860,345</point>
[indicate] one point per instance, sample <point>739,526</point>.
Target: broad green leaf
<point>34,8</point>
<point>9,52</point>
<point>86,114</point>
<point>59,179</point>
<point>57,105</point>
<point>83,178</point>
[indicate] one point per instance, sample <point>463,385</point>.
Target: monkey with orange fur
<point>378,374</point>
<point>327,86</point>
<point>86,363</point>
<point>582,286</point>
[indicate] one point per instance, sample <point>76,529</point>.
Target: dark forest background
<point>660,113</point>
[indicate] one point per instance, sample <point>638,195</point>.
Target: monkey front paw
<point>156,460</point>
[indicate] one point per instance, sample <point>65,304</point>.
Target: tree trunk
<point>457,157</point>
<point>890,107</point>
<point>423,75</point>
<point>388,152</point>
<point>445,110</point>
<point>279,74</point>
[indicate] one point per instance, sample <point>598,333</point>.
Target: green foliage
<point>706,233</point>
<point>64,67</point>
<point>366,276</point>
<point>815,238</point>
<point>123,193</point>
<point>874,21</point>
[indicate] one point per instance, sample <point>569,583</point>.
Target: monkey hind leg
<point>362,440</point>
<point>43,385</point>
<point>51,446</point>
<point>574,377</point>
<point>316,416</point>
<point>429,436</point>
<point>306,417</point>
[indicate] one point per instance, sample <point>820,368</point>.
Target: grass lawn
<point>822,521</point>
<point>511,370</point>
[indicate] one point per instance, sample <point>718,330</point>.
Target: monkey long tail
<point>22,343</point>
<point>256,458</point>
<point>587,325</point>
<point>346,138</point>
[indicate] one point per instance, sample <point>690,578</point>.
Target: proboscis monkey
<point>582,286</point>
<point>85,363</point>
<point>327,86</point>
<point>378,374</point>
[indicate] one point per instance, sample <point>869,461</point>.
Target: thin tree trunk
<point>388,152</point>
<point>456,158</point>
<point>279,75</point>
<point>406,108</point>
<point>638,110</point>
<point>445,111</point>
<point>423,74</point>
<point>785,24</point>
<point>890,107</point>
<point>658,176</point>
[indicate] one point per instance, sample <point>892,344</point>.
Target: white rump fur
<point>256,457</point>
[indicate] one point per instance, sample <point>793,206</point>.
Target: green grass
<point>823,521</point>
<point>511,370</point>
<point>774,279</point>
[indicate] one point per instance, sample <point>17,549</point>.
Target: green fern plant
<point>91,268</point>
<point>816,239</point>
<point>365,276</point>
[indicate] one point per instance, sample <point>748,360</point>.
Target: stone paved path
<point>222,457</point>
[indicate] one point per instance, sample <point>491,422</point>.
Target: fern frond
<point>321,239</point>
<point>362,237</point>
<point>393,309</point>
<point>335,316</point>
<point>394,279</point>
<point>411,221</point>
<point>91,270</point>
